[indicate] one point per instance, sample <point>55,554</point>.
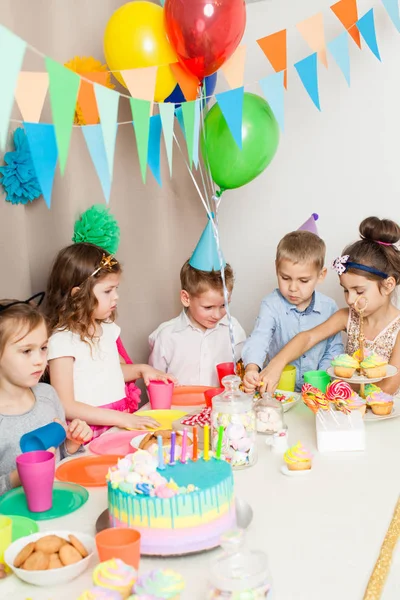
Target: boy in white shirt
<point>192,344</point>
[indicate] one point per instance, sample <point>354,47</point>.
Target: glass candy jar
<point>269,415</point>
<point>239,574</point>
<point>233,410</point>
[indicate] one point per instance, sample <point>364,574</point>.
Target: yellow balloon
<point>135,37</point>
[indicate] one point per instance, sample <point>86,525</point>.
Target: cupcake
<point>380,403</point>
<point>115,575</point>
<point>355,402</point>
<point>374,366</point>
<point>100,593</point>
<point>298,458</point>
<point>345,365</point>
<point>161,584</point>
<point>369,389</point>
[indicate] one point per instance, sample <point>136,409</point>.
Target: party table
<point>322,532</point>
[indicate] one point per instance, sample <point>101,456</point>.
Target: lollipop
<point>314,398</point>
<point>342,406</point>
<point>338,390</point>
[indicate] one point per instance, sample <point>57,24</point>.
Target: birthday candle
<point>161,465</point>
<point>184,446</point>
<point>206,455</point>
<point>219,443</point>
<point>195,443</point>
<point>173,441</point>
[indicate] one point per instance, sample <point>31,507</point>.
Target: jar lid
<point>232,399</point>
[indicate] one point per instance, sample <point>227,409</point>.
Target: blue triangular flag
<point>205,256</point>
<point>93,135</point>
<point>12,51</point>
<point>366,27</point>
<point>196,133</point>
<point>392,9</point>
<point>43,146</point>
<point>308,73</point>
<point>153,154</point>
<point>179,116</point>
<point>273,89</point>
<point>339,48</point>
<point>231,105</point>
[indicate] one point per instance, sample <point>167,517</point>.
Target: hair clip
<point>107,263</point>
<point>40,297</point>
<point>339,264</point>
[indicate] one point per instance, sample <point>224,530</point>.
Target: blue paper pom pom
<point>18,174</point>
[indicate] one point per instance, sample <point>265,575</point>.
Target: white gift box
<point>337,432</point>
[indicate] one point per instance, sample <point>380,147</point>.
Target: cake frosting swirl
<point>161,583</point>
<point>297,453</point>
<point>372,361</point>
<point>345,360</point>
<point>380,398</point>
<point>115,575</point>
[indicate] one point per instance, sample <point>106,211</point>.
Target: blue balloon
<point>177,96</point>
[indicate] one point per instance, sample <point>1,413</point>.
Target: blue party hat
<point>205,256</point>
<point>310,225</point>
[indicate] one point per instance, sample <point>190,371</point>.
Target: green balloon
<point>232,167</point>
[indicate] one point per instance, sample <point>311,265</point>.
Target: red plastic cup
<point>209,395</point>
<point>224,369</point>
<point>119,542</point>
<point>160,394</point>
<point>36,472</point>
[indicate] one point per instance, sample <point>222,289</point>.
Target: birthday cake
<point>181,508</point>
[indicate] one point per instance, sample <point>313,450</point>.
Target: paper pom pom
<point>86,66</point>
<point>18,174</point>
<point>98,227</point>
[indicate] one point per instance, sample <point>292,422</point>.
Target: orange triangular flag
<point>188,83</point>
<point>312,30</point>
<point>347,13</point>
<point>141,83</point>
<point>30,94</point>
<point>275,49</point>
<point>86,98</point>
<point>233,69</point>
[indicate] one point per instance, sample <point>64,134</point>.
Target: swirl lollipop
<point>338,390</point>
<point>342,406</point>
<point>314,398</point>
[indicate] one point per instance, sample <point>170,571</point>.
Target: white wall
<point>342,163</point>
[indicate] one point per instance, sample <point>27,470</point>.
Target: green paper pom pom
<point>97,226</point>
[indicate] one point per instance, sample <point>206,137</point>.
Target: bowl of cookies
<point>50,558</point>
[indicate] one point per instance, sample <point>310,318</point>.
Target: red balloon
<point>204,33</point>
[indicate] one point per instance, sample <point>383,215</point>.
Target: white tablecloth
<point>322,533</point>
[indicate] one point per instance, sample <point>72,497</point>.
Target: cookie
<point>37,561</point>
<point>69,555</point>
<point>24,554</point>
<point>78,545</point>
<point>145,440</point>
<point>49,544</point>
<point>55,562</point>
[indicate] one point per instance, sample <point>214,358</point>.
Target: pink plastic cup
<point>224,369</point>
<point>36,472</point>
<point>160,394</point>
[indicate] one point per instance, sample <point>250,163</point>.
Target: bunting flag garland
<point>273,88</point>
<point>392,9</point>
<point>196,133</point>
<point>188,113</point>
<point>347,13</point>
<point>274,47</point>
<point>141,121</point>
<point>30,94</point>
<point>63,86</point>
<point>141,83</point>
<point>12,52</point>
<point>231,105</point>
<point>339,48</point>
<point>93,135</point>
<point>43,146</point>
<point>188,83</point>
<point>366,26</point>
<point>107,103</point>
<point>308,73</point>
<point>86,97</point>
<point>233,69</point>
<point>153,158</point>
<point>167,114</point>
<point>312,30</point>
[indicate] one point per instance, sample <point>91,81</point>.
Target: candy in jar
<point>239,574</point>
<point>269,414</point>
<point>233,410</point>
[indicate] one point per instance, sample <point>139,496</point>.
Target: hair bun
<point>380,230</point>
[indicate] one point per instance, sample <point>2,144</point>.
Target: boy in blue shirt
<point>293,307</point>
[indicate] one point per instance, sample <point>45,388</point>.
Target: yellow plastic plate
<point>164,417</point>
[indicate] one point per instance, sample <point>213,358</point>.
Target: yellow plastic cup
<point>287,381</point>
<point>5,535</point>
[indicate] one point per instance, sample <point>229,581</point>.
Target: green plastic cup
<point>318,379</point>
<point>287,381</point>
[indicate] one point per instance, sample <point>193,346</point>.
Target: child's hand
<point>269,378</point>
<point>149,373</point>
<point>129,421</point>
<point>251,381</point>
<point>79,432</point>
